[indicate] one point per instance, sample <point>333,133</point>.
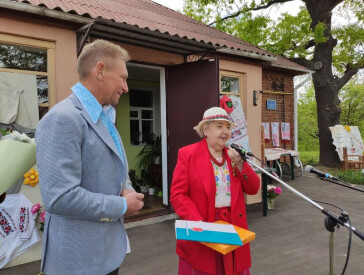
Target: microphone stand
<point>331,220</point>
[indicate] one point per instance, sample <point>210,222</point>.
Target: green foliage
<point>148,157</point>
<point>355,177</point>
<point>309,157</point>
<point>307,122</point>
<point>136,181</point>
<point>4,132</point>
<point>319,33</point>
<point>289,35</point>
<point>350,47</point>
<point>352,105</point>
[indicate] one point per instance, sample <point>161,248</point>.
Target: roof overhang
<point>247,54</point>
<point>42,11</point>
<point>295,70</point>
<point>125,33</point>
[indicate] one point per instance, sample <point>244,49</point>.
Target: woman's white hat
<point>213,114</point>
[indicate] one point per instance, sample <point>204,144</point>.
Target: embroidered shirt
<point>223,187</point>
<point>17,227</point>
<point>106,114</point>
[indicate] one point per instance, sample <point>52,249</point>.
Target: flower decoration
<point>15,135</point>
<point>273,191</point>
<point>347,128</point>
<point>22,150</point>
<point>226,104</point>
<point>35,208</point>
<point>31,177</point>
<point>41,214</point>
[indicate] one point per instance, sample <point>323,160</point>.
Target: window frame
<point>50,74</point>
<point>140,119</point>
<point>239,76</point>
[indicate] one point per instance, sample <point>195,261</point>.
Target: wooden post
<point>262,143</point>
<point>345,158</point>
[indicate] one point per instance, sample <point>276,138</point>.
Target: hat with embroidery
<point>213,114</point>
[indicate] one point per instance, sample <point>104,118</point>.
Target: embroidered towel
<point>266,131</point>
<point>275,133</point>
<point>285,131</point>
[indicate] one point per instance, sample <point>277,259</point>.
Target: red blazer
<point>193,198</point>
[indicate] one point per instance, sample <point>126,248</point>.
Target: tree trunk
<point>328,114</point>
<point>326,86</point>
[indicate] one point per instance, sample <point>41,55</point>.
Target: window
<point>33,57</point>
<point>229,84</point>
<point>141,117</point>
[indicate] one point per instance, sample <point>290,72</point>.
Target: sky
<point>172,4</point>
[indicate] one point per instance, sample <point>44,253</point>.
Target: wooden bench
<point>352,162</point>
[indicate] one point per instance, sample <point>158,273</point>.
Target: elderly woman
<point>208,184</point>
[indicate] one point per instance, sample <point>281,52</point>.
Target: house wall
<point>65,49</point>
<point>151,56</point>
<point>65,76</point>
<point>252,80</point>
<point>285,104</point>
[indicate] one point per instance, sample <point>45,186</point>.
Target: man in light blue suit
<point>83,171</point>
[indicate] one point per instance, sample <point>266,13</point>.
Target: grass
<point>355,177</point>
<point>309,157</point>
<point>349,176</point>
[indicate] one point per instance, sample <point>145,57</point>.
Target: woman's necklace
<point>218,163</point>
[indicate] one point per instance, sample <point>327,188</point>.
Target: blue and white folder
<point>206,232</point>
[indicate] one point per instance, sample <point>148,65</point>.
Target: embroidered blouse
<point>223,187</point>
<point>17,227</point>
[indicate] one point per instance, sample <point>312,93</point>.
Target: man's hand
<point>126,191</point>
<point>134,202</point>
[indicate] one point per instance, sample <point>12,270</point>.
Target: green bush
<point>309,157</point>
<point>354,177</point>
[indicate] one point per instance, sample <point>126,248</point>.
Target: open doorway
<point>142,125</point>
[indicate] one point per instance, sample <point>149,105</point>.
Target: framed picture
<point>271,104</point>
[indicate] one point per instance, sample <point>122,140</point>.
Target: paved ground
<point>292,239</point>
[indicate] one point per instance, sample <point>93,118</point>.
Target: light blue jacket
<point>81,176</point>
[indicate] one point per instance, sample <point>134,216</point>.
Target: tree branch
<point>348,74</point>
<point>303,62</point>
<point>271,3</point>
<point>310,44</point>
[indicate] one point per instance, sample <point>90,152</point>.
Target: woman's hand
<point>236,158</point>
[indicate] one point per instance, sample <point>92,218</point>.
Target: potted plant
<point>149,159</point>
<point>135,179</point>
<point>145,182</point>
<point>273,193</point>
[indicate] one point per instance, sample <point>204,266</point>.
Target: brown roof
<point>151,16</point>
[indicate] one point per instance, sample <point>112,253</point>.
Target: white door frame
<point>163,106</point>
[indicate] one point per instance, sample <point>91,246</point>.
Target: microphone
<point>241,150</point>
<point>322,174</point>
